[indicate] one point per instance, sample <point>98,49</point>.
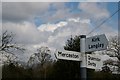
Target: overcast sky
<point>59,0</point>
<point>50,24</point>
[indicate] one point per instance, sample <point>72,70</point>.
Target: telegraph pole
<point>83,66</point>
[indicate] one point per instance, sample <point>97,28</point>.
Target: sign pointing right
<point>96,43</point>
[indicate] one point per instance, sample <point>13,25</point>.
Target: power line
<point>103,22</point>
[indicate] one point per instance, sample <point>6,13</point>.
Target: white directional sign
<point>96,43</point>
<point>94,61</point>
<point>69,55</point>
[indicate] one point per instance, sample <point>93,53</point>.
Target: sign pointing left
<point>69,55</point>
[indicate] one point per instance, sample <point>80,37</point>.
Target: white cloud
<point>0,33</point>
<point>22,11</point>
<point>18,16</point>
<point>73,26</point>
<point>60,0</point>
<point>27,11</point>
<point>53,36</point>
<point>47,27</point>
<point>94,0</point>
<point>60,14</point>
<point>108,30</point>
<point>61,34</point>
<point>0,23</point>
<point>35,0</point>
<point>79,20</point>
<point>26,33</point>
<point>51,27</point>
<point>94,10</point>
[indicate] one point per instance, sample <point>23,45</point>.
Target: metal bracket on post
<point>83,62</point>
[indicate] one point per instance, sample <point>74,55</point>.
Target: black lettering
<point>89,57</point>
<point>89,46</point>
<point>91,64</point>
<point>67,55</point>
<point>63,55</point>
<point>88,62</point>
<point>96,46</point>
<point>94,64</point>
<point>98,39</point>
<point>93,58</point>
<point>59,53</point>
<point>77,56</point>
<point>102,45</point>
<point>95,39</point>
<point>70,55</point>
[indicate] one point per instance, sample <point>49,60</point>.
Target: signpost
<point>96,43</point>
<point>69,55</point>
<point>90,44</point>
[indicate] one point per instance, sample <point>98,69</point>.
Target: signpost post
<point>83,68</point>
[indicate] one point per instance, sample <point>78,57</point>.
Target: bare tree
<point>10,58</point>
<point>7,43</point>
<point>7,48</point>
<point>114,48</point>
<point>42,56</point>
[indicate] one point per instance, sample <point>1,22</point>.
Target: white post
<point>83,62</point>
